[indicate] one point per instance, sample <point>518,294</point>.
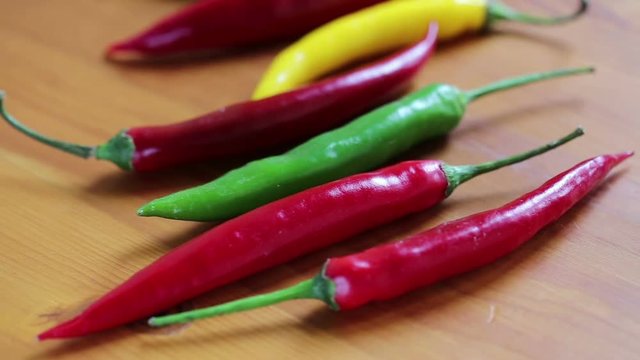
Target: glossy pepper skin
<point>214,25</point>
<point>251,126</point>
<point>361,145</point>
<point>462,245</point>
<point>381,28</point>
<point>276,233</point>
<point>390,270</point>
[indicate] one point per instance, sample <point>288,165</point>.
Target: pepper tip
<point>147,210</point>
<point>157,207</point>
<point>49,334</point>
<point>626,154</point>
<point>152,322</point>
<point>122,52</point>
<point>620,157</point>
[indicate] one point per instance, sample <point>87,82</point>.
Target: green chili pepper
<point>361,145</point>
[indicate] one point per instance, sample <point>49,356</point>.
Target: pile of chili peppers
<point>317,194</point>
<point>275,233</point>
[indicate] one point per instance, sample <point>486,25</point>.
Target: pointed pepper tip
<point>625,155</point>
<point>152,322</point>
<point>142,211</point>
<point>123,51</point>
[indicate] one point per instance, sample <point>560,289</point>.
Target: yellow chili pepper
<point>380,29</point>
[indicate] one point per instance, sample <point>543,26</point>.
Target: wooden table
<point>69,230</point>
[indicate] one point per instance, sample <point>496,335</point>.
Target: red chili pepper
<point>223,24</point>
<point>276,233</point>
<point>452,248</point>
<point>256,125</point>
<point>459,246</point>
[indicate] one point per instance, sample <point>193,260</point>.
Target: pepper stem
<point>78,150</point>
<point>320,288</point>
<point>457,175</point>
<point>119,150</point>
<point>501,12</point>
<point>525,80</point>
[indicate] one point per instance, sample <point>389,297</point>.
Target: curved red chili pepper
<point>390,270</point>
<point>276,233</point>
<point>265,237</point>
<point>387,271</point>
<point>246,127</point>
<point>281,119</point>
<point>222,24</point>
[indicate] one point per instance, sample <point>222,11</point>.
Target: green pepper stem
<point>525,80</point>
<point>78,150</point>
<point>319,288</point>
<point>500,12</point>
<point>457,175</point>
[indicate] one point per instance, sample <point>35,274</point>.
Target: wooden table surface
<point>69,230</point>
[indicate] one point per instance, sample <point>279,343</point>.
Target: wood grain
<point>69,230</point>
